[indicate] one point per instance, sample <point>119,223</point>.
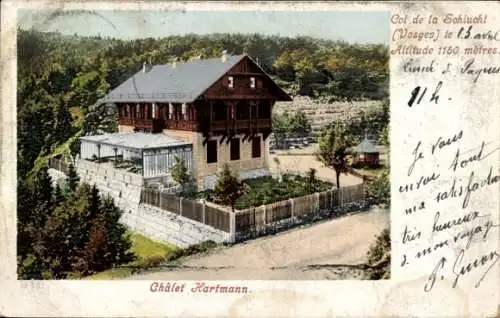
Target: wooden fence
<point>199,212</point>
<point>273,217</point>
<point>258,220</point>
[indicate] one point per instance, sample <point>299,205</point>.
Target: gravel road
<point>326,250</point>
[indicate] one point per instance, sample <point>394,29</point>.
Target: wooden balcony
<point>125,121</point>
<point>144,124</point>
<point>189,125</point>
<point>150,125</point>
<point>157,125</point>
<point>241,124</point>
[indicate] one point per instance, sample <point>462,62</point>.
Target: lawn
<point>145,250</point>
<point>268,190</point>
<point>144,247</point>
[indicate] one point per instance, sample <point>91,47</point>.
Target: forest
<point>60,79</point>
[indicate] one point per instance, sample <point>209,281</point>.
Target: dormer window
<point>252,82</point>
<point>230,82</point>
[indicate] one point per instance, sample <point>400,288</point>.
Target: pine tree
<point>58,195</point>
<point>119,241</point>
<point>36,203</point>
<point>73,178</point>
<point>62,124</point>
<point>94,256</point>
<point>41,194</point>
<point>180,174</point>
<point>100,119</point>
<point>83,236</point>
<point>228,188</point>
<point>25,205</point>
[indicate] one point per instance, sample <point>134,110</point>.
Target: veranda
<point>149,155</point>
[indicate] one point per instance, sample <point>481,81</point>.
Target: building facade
<point>222,106</point>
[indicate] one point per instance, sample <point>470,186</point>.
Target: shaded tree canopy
<point>334,143</point>
<point>67,235</point>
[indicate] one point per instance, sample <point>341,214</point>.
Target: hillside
<point>322,113</point>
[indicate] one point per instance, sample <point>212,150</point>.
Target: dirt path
<point>304,253</point>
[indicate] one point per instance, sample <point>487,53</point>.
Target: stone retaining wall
<point>125,189</point>
<point>164,226</point>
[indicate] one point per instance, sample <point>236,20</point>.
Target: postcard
<point>271,159</point>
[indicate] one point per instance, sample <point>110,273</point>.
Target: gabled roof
<point>165,83</point>
<point>366,146</point>
<point>183,83</point>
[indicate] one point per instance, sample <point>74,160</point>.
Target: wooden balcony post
<point>211,111</point>
<point>257,114</point>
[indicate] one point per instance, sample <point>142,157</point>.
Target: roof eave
<point>287,98</point>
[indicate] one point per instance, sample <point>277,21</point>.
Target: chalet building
<point>214,111</point>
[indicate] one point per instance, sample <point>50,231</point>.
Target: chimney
<point>224,56</point>
<point>144,67</point>
<point>174,63</point>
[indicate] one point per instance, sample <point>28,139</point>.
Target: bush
<point>191,250</point>
<point>379,190</point>
<point>379,257</point>
<point>150,262</point>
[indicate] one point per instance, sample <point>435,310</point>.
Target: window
<point>230,83</point>
<point>256,147</point>
<point>212,151</point>
<point>235,149</point>
<point>252,82</point>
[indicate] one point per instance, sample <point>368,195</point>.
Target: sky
<point>350,26</point>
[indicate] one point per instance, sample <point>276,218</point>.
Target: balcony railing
<point>142,123</point>
<point>155,125</point>
<point>126,121</point>
<point>240,124</point>
<point>180,124</point>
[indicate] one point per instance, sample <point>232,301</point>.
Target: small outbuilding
<point>366,153</point>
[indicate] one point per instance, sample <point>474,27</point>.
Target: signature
<point>460,269</point>
<point>482,263</point>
